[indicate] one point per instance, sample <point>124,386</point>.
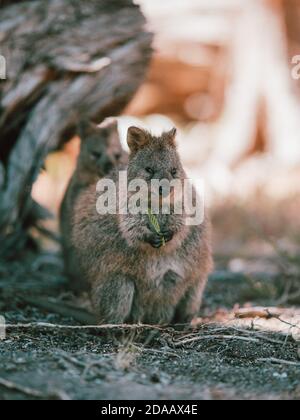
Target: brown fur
<point>100,151</point>
<point>132,277</point>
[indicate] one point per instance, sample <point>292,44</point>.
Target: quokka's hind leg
<point>112,299</point>
<point>189,306</point>
<point>161,308</point>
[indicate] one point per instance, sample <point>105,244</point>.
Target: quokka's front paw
<point>167,235</point>
<point>155,240</point>
<point>158,239</point>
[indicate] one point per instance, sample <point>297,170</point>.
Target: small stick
<point>282,320</point>
<point>259,336</point>
<point>90,366</point>
<point>279,361</point>
<point>256,312</point>
<point>85,327</point>
<point>216,337</point>
<point>252,313</point>
<point>72,360</point>
<point>24,390</point>
<point>144,349</point>
<point>30,392</point>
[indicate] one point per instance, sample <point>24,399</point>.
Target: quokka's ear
<point>85,128</point>
<point>173,132</point>
<point>137,138</point>
<point>170,136</point>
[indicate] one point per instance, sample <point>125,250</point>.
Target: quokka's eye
<point>95,155</point>
<point>118,156</point>
<point>150,171</point>
<point>174,171</point>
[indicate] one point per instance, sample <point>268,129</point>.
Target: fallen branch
<point>60,308</point>
<point>252,313</point>
<point>257,312</point>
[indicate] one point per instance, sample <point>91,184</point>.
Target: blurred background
<point>224,73</point>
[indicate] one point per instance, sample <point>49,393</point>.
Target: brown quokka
<point>100,151</point>
<point>136,272</point>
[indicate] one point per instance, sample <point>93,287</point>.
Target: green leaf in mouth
<point>154,222</point>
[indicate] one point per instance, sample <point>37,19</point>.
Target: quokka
<point>100,151</point>
<point>135,273</point>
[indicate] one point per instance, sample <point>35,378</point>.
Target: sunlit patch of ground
<point>285,321</point>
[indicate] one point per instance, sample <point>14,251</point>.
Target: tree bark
<point>66,60</point>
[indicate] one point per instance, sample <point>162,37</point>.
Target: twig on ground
<point>84,366</point>
<point>85,327</point>
<point>258,335</point>
<point>164,352</point>
<point>215,337</point>
<point>282,320</point>
<point>90,366</point>
<point>258,312</point>
<point>30,392</point>
<point>72,360</point>
<point>279,361</point>
<point>214,330</point>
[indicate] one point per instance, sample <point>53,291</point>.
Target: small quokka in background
<point>100,151</point>
<point>134,275</point>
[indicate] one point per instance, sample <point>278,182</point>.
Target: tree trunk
<point>65,60</point>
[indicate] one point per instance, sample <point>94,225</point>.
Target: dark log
<point>66,60</point>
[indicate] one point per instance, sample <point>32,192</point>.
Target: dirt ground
<point>211,360</point>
